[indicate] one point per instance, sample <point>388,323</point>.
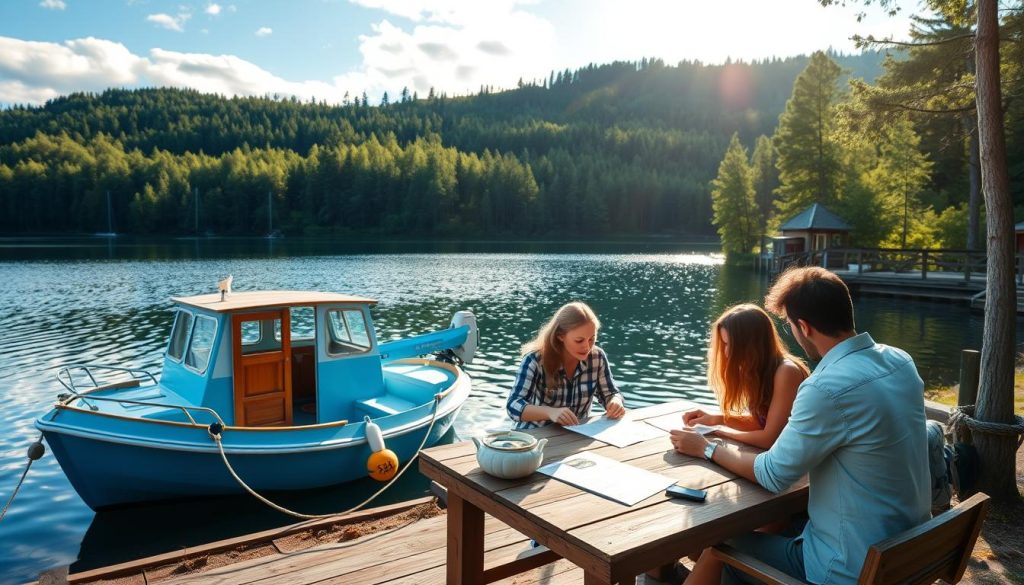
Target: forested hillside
<point>618,149</point>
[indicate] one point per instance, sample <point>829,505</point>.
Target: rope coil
<point>216,429</point>
<point>963,416</point>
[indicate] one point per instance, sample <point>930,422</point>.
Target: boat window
<point>179,335</point>
<point>251,333</point>
<point>262,343</point>
<point>347,331</point>
<point>303,324</point>
<point>199,348</point>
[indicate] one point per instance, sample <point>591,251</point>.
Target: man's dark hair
<point>815,295</point>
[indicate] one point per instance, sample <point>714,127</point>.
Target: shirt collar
<point>845,348</point>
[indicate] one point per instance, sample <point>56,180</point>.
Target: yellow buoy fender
<point>383,463</point>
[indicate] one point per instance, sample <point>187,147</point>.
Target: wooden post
<point>860,261</point>
<point>924,264</point>
<point>967,266</point>
<point>970,360</point>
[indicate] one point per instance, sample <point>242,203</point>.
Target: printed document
<point>674,422</point>
<point>620,433</point>
<point>607,477</point>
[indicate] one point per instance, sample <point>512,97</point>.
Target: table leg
<point>592,579</point>
<point>465,542</point>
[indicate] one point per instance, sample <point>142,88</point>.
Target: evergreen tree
<point>898,179</point>
<point>766,180</point>
<point>808,157</point>
<point>732,200</point>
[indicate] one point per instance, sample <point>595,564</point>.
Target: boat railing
<point>67,379</point>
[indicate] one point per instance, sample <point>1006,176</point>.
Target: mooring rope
<point>217,438</point>
<point>35,451</point>
<point>963,416</point>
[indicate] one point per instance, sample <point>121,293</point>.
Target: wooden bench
<point>937,549</point>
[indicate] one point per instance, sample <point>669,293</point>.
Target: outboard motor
<point>467,350</point>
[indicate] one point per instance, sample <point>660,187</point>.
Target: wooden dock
<point>955,276</point>
<point>413,553</point>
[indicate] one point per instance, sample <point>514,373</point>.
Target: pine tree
<point>897,181</point>
<point>808,159</point>
<point>732,200</point>
<point>766,180</point>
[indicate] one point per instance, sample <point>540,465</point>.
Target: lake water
<point>106,301</point>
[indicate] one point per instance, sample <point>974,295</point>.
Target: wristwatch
<point>709,450</point>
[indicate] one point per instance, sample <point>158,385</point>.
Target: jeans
<point>785,553</point>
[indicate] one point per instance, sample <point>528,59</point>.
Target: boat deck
<point>412,553</point>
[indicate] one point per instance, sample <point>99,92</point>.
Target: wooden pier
<point>956,276</point>
<point>411,552</point>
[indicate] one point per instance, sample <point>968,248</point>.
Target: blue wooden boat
<point>292,376</point>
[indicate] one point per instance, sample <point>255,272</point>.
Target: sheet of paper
<point>620,433</point>
<point>672,422</point>
<point>606,477</point>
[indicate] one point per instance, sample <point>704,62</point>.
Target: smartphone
<point>678,491</point>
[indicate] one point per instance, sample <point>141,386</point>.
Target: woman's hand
<point>696,416</point>
<point>562,416</point>
<point>614,408</point>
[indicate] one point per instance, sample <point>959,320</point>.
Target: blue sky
<point>325,48</point>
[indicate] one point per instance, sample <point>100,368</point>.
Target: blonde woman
<point>562,372</point>
<point>752,374</point>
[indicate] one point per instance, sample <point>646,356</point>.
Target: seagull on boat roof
<point>225,287</point>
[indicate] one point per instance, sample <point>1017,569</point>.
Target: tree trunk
<point>995,393</point>
<point>970,123</point>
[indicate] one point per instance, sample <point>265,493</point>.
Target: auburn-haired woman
<point>562,372</point>
<point>752,374</point>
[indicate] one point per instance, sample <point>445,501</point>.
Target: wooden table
<point>611,542</point>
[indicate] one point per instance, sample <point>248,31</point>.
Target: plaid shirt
<point>592,377</point>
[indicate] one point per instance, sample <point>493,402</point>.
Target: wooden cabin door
<point>263,376</point>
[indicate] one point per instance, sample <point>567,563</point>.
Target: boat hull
<point>117,460</point>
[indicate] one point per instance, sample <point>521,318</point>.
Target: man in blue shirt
<point>857,429</point>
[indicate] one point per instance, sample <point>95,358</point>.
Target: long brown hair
<point>743,380</point>
<point>565,319</point>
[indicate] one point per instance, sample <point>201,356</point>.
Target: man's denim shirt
<point>858,429</point>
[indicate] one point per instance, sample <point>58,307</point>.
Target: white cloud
<point>454,46</point>
<point>33,72</point>
<point>53,4</point>
<point>213,9</point>
<point>175,23</point>
<point>264,31</point>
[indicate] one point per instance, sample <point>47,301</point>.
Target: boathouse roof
<point>236,301</point>
<point>816,217</point>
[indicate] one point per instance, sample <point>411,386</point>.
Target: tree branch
<point>873,41</point>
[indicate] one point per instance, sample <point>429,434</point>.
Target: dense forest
<point>624,148</point>
<point>616,149</point>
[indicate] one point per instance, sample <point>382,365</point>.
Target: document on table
<point>620,433</point>
<point>607,477</point>
<point>674,422</point>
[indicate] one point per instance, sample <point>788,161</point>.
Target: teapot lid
<point>510,441</point>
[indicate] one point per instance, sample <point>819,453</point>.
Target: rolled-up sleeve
<point>815,429</point>
<point>605,383</point>
<point>524,388</point>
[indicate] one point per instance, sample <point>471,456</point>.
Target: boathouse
<point>815,228</point>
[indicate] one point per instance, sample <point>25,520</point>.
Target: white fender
<point>467,350</point>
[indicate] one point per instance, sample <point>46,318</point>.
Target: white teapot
<point>509,454</point>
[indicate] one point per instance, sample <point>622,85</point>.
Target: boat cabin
<point>278,358</point>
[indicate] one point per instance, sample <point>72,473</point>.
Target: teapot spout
<point>477,442</point>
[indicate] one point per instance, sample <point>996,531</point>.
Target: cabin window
<point>260,343</point>
<point>347,332</point>
<point>303,324</point>
<point>251,333</point>
<point>837,240</point>
<point>199,348</point>
<point>179,335</point>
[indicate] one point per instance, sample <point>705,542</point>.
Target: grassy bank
<point>948,394</point>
